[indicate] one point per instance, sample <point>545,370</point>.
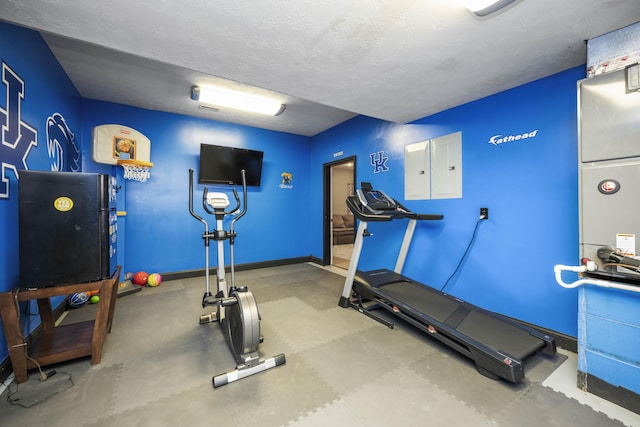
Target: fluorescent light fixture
<point>485,7</point>
<point>225,98</point>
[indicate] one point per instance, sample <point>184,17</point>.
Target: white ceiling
<point>328,60</point>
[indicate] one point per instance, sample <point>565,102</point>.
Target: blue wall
<point>34,89</point>
<point>161,235</point>
<point>530,187</point>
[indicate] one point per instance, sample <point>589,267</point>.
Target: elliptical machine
<point>235,307</point>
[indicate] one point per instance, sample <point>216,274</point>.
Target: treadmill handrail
<point>428,217</point>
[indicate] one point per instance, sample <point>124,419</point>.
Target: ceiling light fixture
<point>226,98</point>
<point>486,7</point>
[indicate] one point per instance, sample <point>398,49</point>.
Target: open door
<point>339,179</point>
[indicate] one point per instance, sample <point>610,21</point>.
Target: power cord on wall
<point>473,237</point>
<point>43,375</point>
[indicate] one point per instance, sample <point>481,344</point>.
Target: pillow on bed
<point>338,222</point>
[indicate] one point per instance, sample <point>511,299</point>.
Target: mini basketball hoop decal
<point>136,170</point>
<point>112,143</point>
<point>124,146</point>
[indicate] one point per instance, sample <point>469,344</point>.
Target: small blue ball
<point>78,299</point>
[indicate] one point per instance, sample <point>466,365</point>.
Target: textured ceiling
<point>328,60</point>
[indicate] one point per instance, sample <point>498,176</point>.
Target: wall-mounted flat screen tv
<point>223,165</point>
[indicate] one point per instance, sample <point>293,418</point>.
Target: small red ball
<point>140,278</point>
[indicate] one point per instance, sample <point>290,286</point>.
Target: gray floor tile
<point>342,369</point>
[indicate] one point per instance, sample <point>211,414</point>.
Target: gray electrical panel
<point>417,171</point>
<point>446,166</point>
<point>433,168</point>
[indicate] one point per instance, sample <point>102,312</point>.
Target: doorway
<point>339,179</point>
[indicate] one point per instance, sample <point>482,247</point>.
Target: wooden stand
<point>57,344</point>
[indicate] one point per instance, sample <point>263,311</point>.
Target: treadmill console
<point>375,205</point>
<point>375,200</point>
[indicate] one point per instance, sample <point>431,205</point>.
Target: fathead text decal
<point>501,139</point>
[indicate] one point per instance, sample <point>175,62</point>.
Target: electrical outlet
<point>484,213</point>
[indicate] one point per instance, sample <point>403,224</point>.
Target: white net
<point>136,172</point>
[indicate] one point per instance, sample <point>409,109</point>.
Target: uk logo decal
<point>379,162</point>
<point>18,137</point>
<point>61,145</point>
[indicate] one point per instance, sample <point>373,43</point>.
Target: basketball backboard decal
<point>115,142</point>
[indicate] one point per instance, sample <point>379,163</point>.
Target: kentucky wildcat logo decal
<point>61,145</point>
<point>18,137</point>
<point>379,162</point>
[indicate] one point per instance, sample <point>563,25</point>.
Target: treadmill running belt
<point>499,335</point>
<point>496,333</point>
<point>420,298</point>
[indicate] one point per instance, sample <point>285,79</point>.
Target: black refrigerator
<point>67,227</point>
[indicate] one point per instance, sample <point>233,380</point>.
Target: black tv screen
<point>223,165</point>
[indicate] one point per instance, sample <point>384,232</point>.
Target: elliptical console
<point>236,309</point>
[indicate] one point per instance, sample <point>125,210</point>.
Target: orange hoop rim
<point>130,162</point>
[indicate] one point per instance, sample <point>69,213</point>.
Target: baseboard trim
<point>186,274</point>
<point>316,260</point>
<point>563,341</point>
<point>614,394</point>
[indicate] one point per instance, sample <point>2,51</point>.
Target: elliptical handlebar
<point>209,211</point>
<point>191,211</point>
<point>244,199</point>
<point>219,234</point>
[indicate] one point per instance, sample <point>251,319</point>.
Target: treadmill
<point>498,345</point>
